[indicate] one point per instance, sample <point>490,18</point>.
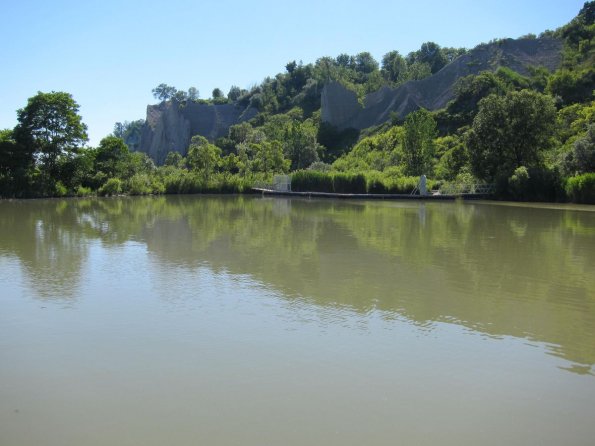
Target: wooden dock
<point>437,197</point>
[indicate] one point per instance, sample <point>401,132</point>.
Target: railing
<point>281,183</point>
<point>461,189</point>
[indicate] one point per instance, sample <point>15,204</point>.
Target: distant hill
<point>170,125</point>
<point>341,108</point>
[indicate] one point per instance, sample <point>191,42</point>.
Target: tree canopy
<point>511,131</point>
<point>50,126</point>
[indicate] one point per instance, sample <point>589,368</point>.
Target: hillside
<point>170,125</point>
<point>341,108</point>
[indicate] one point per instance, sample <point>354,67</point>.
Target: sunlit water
<point>251,321</point>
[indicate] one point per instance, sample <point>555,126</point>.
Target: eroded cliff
<point>341,108</point>
<point>170,125</point>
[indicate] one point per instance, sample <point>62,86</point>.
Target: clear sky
<point>110,54</point>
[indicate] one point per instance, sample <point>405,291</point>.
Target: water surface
<point>251,321</point>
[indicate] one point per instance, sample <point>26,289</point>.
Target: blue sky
<point>110,54</point>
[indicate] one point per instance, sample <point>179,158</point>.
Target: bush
<point>375,183</point>
<point>535,185</point>
<point>83,191</point>
<point>139,184</point>
<point>113,186</point>
<point>348,183</point>
<point>404,185</point>
<point>311,181</point>
<point>581,188</point>
<point>60,190</point>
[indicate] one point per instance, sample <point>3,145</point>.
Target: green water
<point>262,321</point>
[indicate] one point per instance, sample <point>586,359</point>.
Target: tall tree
<point>511,131</point>
<point>394,66</point>
<point>234,93</point>
<point>49,126</point>
<point>163,92</point>
<point>193,93</point>
<point>418,142</point>
<point>203,155</point>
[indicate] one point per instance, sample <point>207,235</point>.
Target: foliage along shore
<point>532,136</point>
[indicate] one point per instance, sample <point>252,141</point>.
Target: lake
<point>261,321</point>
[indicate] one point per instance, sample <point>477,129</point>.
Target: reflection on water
<point>250,321</point>
<point>525,272</point>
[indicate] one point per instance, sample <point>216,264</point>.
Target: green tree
<point>174,159</point>
<point>130,132</point>
<point>112,157</point>
<point>203,155</point>
<point>193,94</point>
<point>268,157</point>
<point>13,156</point>
<point>432,54</point>
<point>418,142</point>
<point>394,66</point>
<point>163,92</point>
<point>300,145</point>
<point>509,132</point>
<point>365,63</point>
<point>49,126</point>
<point>217,93</point>
<point>581,159</point>
<point>180,96</point>
<point>234,93</point>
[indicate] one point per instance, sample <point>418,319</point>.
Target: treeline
<point>532,136</point>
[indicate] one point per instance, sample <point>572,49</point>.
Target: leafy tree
<point>300,145</point>
<point>240,133</point>
<point>572,86</point>
<point>394,66</point>
<point>13,156</point>
<point>130,132</point>
<point>111,157</point>
<point>581,159</point>
<point>174,159</point>
<point>430,53</point>
<point>180,96</point>
<point>365,63</point>
<point>345,60</point>
<point>469,90</point>
<point>418,142</point>
<point>509,132</point>
<point>268,157</point>
<point>164,92</point>
<point>418,71</point>
<point>193,94</point>
<point>291,66</point>
<point>452,53</point>
<point>49,126</point>
<point>234,93</point>
<point>217,93</point>
<point>203,155</point>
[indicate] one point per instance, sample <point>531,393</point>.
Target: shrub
<point>347,183</point>
<point>140,184</point>
<point>375,183</point>
<point>404,185</point>
<point>311,181</point>
<point>113,186</point>
<point>83,191</point>
<point>60,190</point>
<point>581,188</point>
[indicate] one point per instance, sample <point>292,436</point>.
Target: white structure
<point>423,189</point>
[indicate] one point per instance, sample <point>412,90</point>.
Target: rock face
<point>341,108</point>
<point>170,125</point>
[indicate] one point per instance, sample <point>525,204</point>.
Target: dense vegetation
<point>532,136</point>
